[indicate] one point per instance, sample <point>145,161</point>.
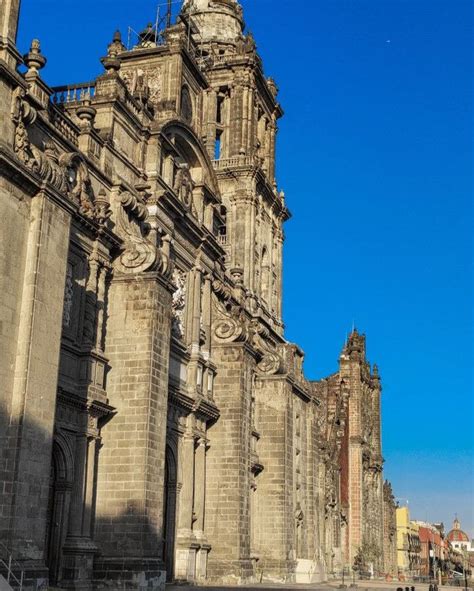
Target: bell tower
<point>239,123</point>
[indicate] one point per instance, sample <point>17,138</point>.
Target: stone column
<point>92,455</point>
<point>78,549</point>
<point>275,510</point>
<point>210,111</point>
<point>9,13</point>
<point>185,565</point>
<point>279,272</point>
<point>200,485</point>
<point>129,508</point>
<point>77,497</point>
<point>206,312</point>
<point>272,147</point>
<point>226,119</point>
<point>228,467</point>
<point>185,509</point>
<point>196,309</point>
<point>236,105</point>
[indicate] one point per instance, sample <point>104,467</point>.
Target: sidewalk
<point>369,585</point>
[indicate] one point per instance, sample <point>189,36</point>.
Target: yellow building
<point>408,544</point>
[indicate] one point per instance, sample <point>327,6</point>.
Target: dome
<point>456,534</point>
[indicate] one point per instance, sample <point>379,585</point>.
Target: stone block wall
<point>228,466</point>
<point>129,512</point>
<point>34,262</point>
<point>274,528</point>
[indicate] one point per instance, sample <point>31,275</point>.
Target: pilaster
<point>39,245</point>
<point>9,13</point>
<point>129,515</point>
<point>228,467</point>
<point>275,511</point>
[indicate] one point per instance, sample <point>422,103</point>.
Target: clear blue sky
<point>375,157</point>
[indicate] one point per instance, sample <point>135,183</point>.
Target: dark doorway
<point>60,485</point>
<point>169,512</point>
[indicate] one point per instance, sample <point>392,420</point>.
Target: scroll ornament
<point>67,173</point>
<point>234,325</point>
<point>139,252</point>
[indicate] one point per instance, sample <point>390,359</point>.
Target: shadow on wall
<point>37,521</point>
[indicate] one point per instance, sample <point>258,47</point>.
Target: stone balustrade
<point>73,93</point>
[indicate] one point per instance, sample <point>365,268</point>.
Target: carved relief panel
<point>179,279</point>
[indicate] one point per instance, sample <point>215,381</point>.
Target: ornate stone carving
<point>144,81</point>
<point>270,360</point>
<point>139,252</point>
<point>231,325</point>
<point>68,295</point>
<point>184,185</point>
<point>67,173</point>
<point>245,44</point>
<point>178,303</point>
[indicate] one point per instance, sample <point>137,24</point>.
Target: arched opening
<point>169,518</point>
<point>60,486</point>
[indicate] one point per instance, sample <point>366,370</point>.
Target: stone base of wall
<point>231,572</point>
<point>309,571</point>
<point>191,563</point>
<point>275,571</point>
<point>78,564</point>
<point>126,574</point>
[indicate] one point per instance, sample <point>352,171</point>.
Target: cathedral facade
<point>155,424</point>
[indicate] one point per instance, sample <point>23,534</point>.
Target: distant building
<point>463,548</point>
<point>459,539</point>
<point>408,544</point>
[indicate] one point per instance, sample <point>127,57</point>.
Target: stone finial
<point>147,37</point>
<point>34,60</point>
<point>86,114</point>
<point>116,47</point>
<point>110,61</point>
<point>272,87</point>
<point>249,43</point>
<point>102,207</point>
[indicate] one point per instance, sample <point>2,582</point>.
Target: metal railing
<point>11,566</point>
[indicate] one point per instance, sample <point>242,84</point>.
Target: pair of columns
<point>193,483</point>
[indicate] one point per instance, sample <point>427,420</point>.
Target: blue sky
<point>375,157</point>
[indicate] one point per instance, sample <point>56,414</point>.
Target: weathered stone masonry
<point>154,422</point>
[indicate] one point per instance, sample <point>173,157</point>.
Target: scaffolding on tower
<point>154,35</point>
